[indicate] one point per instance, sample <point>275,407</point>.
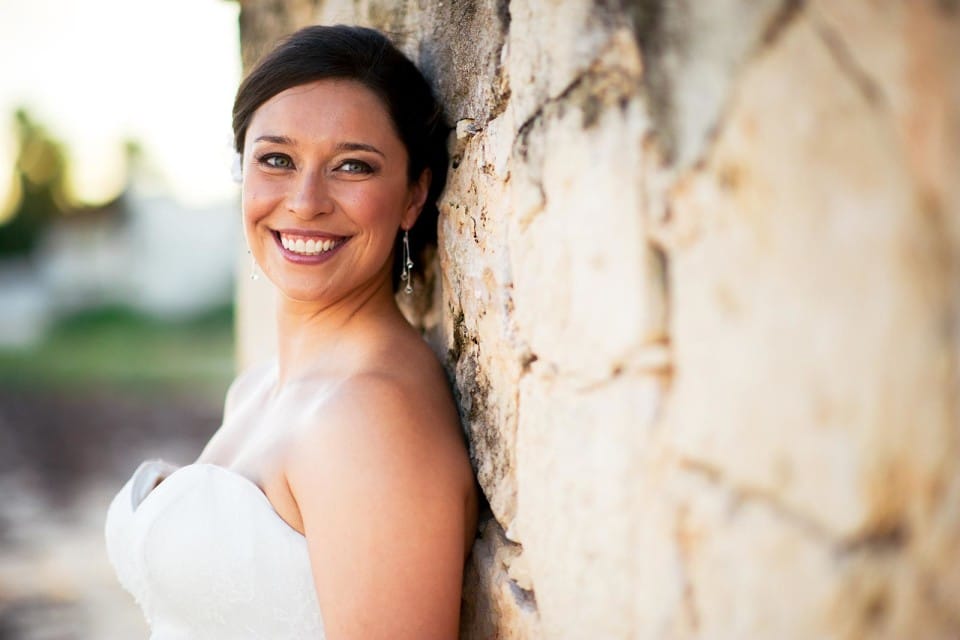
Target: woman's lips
<point>308,247</point>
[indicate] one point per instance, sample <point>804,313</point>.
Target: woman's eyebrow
<point>358,146</point>
<point>341,146</point>
<point>275,139</point>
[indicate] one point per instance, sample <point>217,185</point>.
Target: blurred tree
<point>40,182</point>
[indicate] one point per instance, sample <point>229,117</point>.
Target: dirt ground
<point>63,456</point>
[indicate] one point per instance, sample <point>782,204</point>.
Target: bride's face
<point>325,190</point>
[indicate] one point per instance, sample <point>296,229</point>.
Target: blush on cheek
<point>376,206</point>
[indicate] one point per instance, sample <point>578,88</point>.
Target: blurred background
<point>119,228</point>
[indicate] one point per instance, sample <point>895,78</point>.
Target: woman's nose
<point>310,196</point>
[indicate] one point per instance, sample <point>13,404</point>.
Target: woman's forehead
<point>323,107</point>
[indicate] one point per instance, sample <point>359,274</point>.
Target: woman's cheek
<point>374,206</point>
<point>253,205</point>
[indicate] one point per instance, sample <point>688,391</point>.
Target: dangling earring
<point>253,266</point>
<point>407,263</point>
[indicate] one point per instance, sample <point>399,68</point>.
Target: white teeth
<point>307,247</point>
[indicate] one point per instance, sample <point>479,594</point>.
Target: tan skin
<point>352,435</point>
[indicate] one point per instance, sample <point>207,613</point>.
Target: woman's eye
<point>276,161</point>
<point>355,166</point>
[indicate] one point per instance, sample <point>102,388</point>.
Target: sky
<point>98,72</point>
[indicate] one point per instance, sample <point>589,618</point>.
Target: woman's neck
<point>314,338</point>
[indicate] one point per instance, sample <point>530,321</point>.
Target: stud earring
<point>407,263</point>
<point>253,266</point>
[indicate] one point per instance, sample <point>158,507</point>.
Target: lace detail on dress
<point>206,556</point>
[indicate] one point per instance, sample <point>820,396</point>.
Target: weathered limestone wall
<point>700,267</point>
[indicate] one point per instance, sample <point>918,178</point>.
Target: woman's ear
<point>418,196</point>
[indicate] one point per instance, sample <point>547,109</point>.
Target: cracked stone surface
<point>697,295</point>
<point>498,606</point>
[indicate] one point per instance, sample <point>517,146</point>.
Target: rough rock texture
<point>699,296</point>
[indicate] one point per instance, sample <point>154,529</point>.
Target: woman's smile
<point>304,247</point>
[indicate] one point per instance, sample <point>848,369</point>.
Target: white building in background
<point>145,251</point>
<point>152,254</point>
<point>181,261</point>
<point>83,257</point>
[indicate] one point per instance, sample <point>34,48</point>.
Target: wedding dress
<point>207,557</point>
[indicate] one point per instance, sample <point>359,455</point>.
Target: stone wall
<point>700,302</point>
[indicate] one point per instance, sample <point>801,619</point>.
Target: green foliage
<point>120,348</point>
<point>40,178</point>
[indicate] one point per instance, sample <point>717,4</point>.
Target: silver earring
<point>407,263</point>
<point>253,266</point>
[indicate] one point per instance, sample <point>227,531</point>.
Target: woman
<point>337,499</point>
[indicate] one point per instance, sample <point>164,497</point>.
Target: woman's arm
<point>381,488</point>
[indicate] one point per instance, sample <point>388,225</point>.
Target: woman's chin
<point>307,295</point>
<point>324,284</point>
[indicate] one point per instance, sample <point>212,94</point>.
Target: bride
<point>336,500</point>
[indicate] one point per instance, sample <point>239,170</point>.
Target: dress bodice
<point>207,557</point>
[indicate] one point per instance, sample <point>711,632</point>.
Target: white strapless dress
<point>207,557</point>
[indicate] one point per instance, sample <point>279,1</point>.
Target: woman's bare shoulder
<point>384,407</point>
<point>410,360</point>
<point>401,401</point>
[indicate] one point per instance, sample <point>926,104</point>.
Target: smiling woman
<point>350,436</point>
<point>337,153</point>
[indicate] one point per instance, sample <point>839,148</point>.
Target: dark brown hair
<point>366,56</point>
